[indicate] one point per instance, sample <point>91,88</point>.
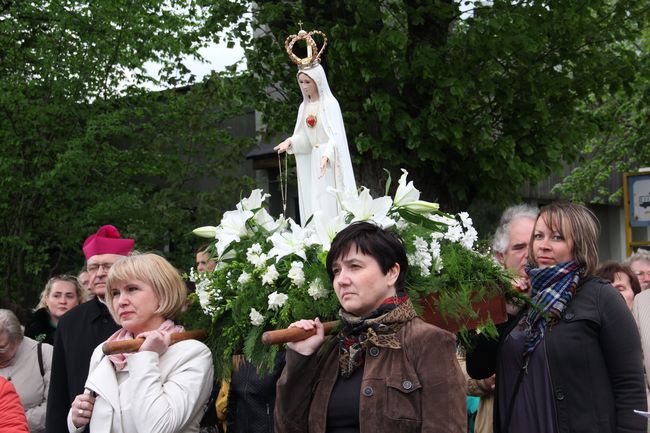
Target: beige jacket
<point>25,374</point>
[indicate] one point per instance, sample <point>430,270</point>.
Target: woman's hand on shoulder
<point>82,409</point>
<point>155,341</point>
<point>309,346</point>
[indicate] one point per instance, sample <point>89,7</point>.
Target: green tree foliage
<point>622,143</point>
<point>81,144</point>
<point>473,105</point>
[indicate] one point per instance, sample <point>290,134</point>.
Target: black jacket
<point>39,327</point>
<point>251,400</point>
<point>79,332</point>
<point>595,362</point>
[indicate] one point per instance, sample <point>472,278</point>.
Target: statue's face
<point>308,86</point>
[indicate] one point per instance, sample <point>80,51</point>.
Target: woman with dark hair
<point>622,278</point>
<point>386,370</point>
<point>573,363</point>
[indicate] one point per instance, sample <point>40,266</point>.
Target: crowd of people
<point>569,359</point>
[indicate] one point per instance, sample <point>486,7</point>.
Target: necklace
<point>284,180</point>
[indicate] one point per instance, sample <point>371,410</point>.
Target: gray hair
<point>10,323</point>
<point>640,255</point>
<point>502,234</point>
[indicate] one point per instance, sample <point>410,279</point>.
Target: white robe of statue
<point>309,144</point>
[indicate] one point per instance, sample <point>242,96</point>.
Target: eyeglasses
<point>95,267</point>
<point>641,273</point>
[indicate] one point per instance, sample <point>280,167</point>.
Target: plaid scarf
<point>378,328</point>
<point>553,289</point>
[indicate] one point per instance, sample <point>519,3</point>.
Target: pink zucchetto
<point>107,240</point>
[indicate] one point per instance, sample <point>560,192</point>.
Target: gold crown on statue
<point>313,54</point>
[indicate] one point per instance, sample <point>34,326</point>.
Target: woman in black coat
<point>573,363</point>
<point>61,293</point>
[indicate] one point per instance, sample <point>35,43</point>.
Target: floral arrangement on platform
<point>271,272</point>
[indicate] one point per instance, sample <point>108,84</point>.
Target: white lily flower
<point>421,206</point>
<point>266,221</point>
<point>324,229</point>
<point>406,193</point>
<point>206,232</point>
<point>231,229</point>
<point>253,201</point>
<point>289,242</point>
<point>364,208</point>
<point>277,300</point>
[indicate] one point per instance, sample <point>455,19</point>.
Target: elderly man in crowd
<point>640,264</point>
<point>84,327</point>
<point>510,245</point>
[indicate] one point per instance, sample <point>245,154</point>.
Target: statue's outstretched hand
<point>324,161</point>
<point>282,147</point>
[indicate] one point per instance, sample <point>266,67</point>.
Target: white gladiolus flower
<point>435,254</point>
<point>256,318</point>
<point>469,238</point>
<point>316,289</point>
<point>465,219</point>
<point>296,273</point>
<point>270,275</point>
<point>201,290</point>
<point>454,233</point>
<point>277,300</point>
<point>256,257</point>
<point>243,278</point>
<point>421,258</point>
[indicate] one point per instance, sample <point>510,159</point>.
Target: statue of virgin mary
<point>320,147</point>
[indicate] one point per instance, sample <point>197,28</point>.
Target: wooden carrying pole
<point>129,346</point>
<point>494,308</point>
<point>290,335</point>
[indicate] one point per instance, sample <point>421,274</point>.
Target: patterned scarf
<point>378,328</point>
<point>553,289</point>
<point>119,359</point>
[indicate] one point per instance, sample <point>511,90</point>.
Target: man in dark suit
<point>83,328</point>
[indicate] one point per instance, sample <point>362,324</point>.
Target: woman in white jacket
<point>160,388</point>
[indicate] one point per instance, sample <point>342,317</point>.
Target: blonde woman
<point>61,294</point>
<point>160,388</point>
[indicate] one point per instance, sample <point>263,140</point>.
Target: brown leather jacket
<point>418,388</point>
